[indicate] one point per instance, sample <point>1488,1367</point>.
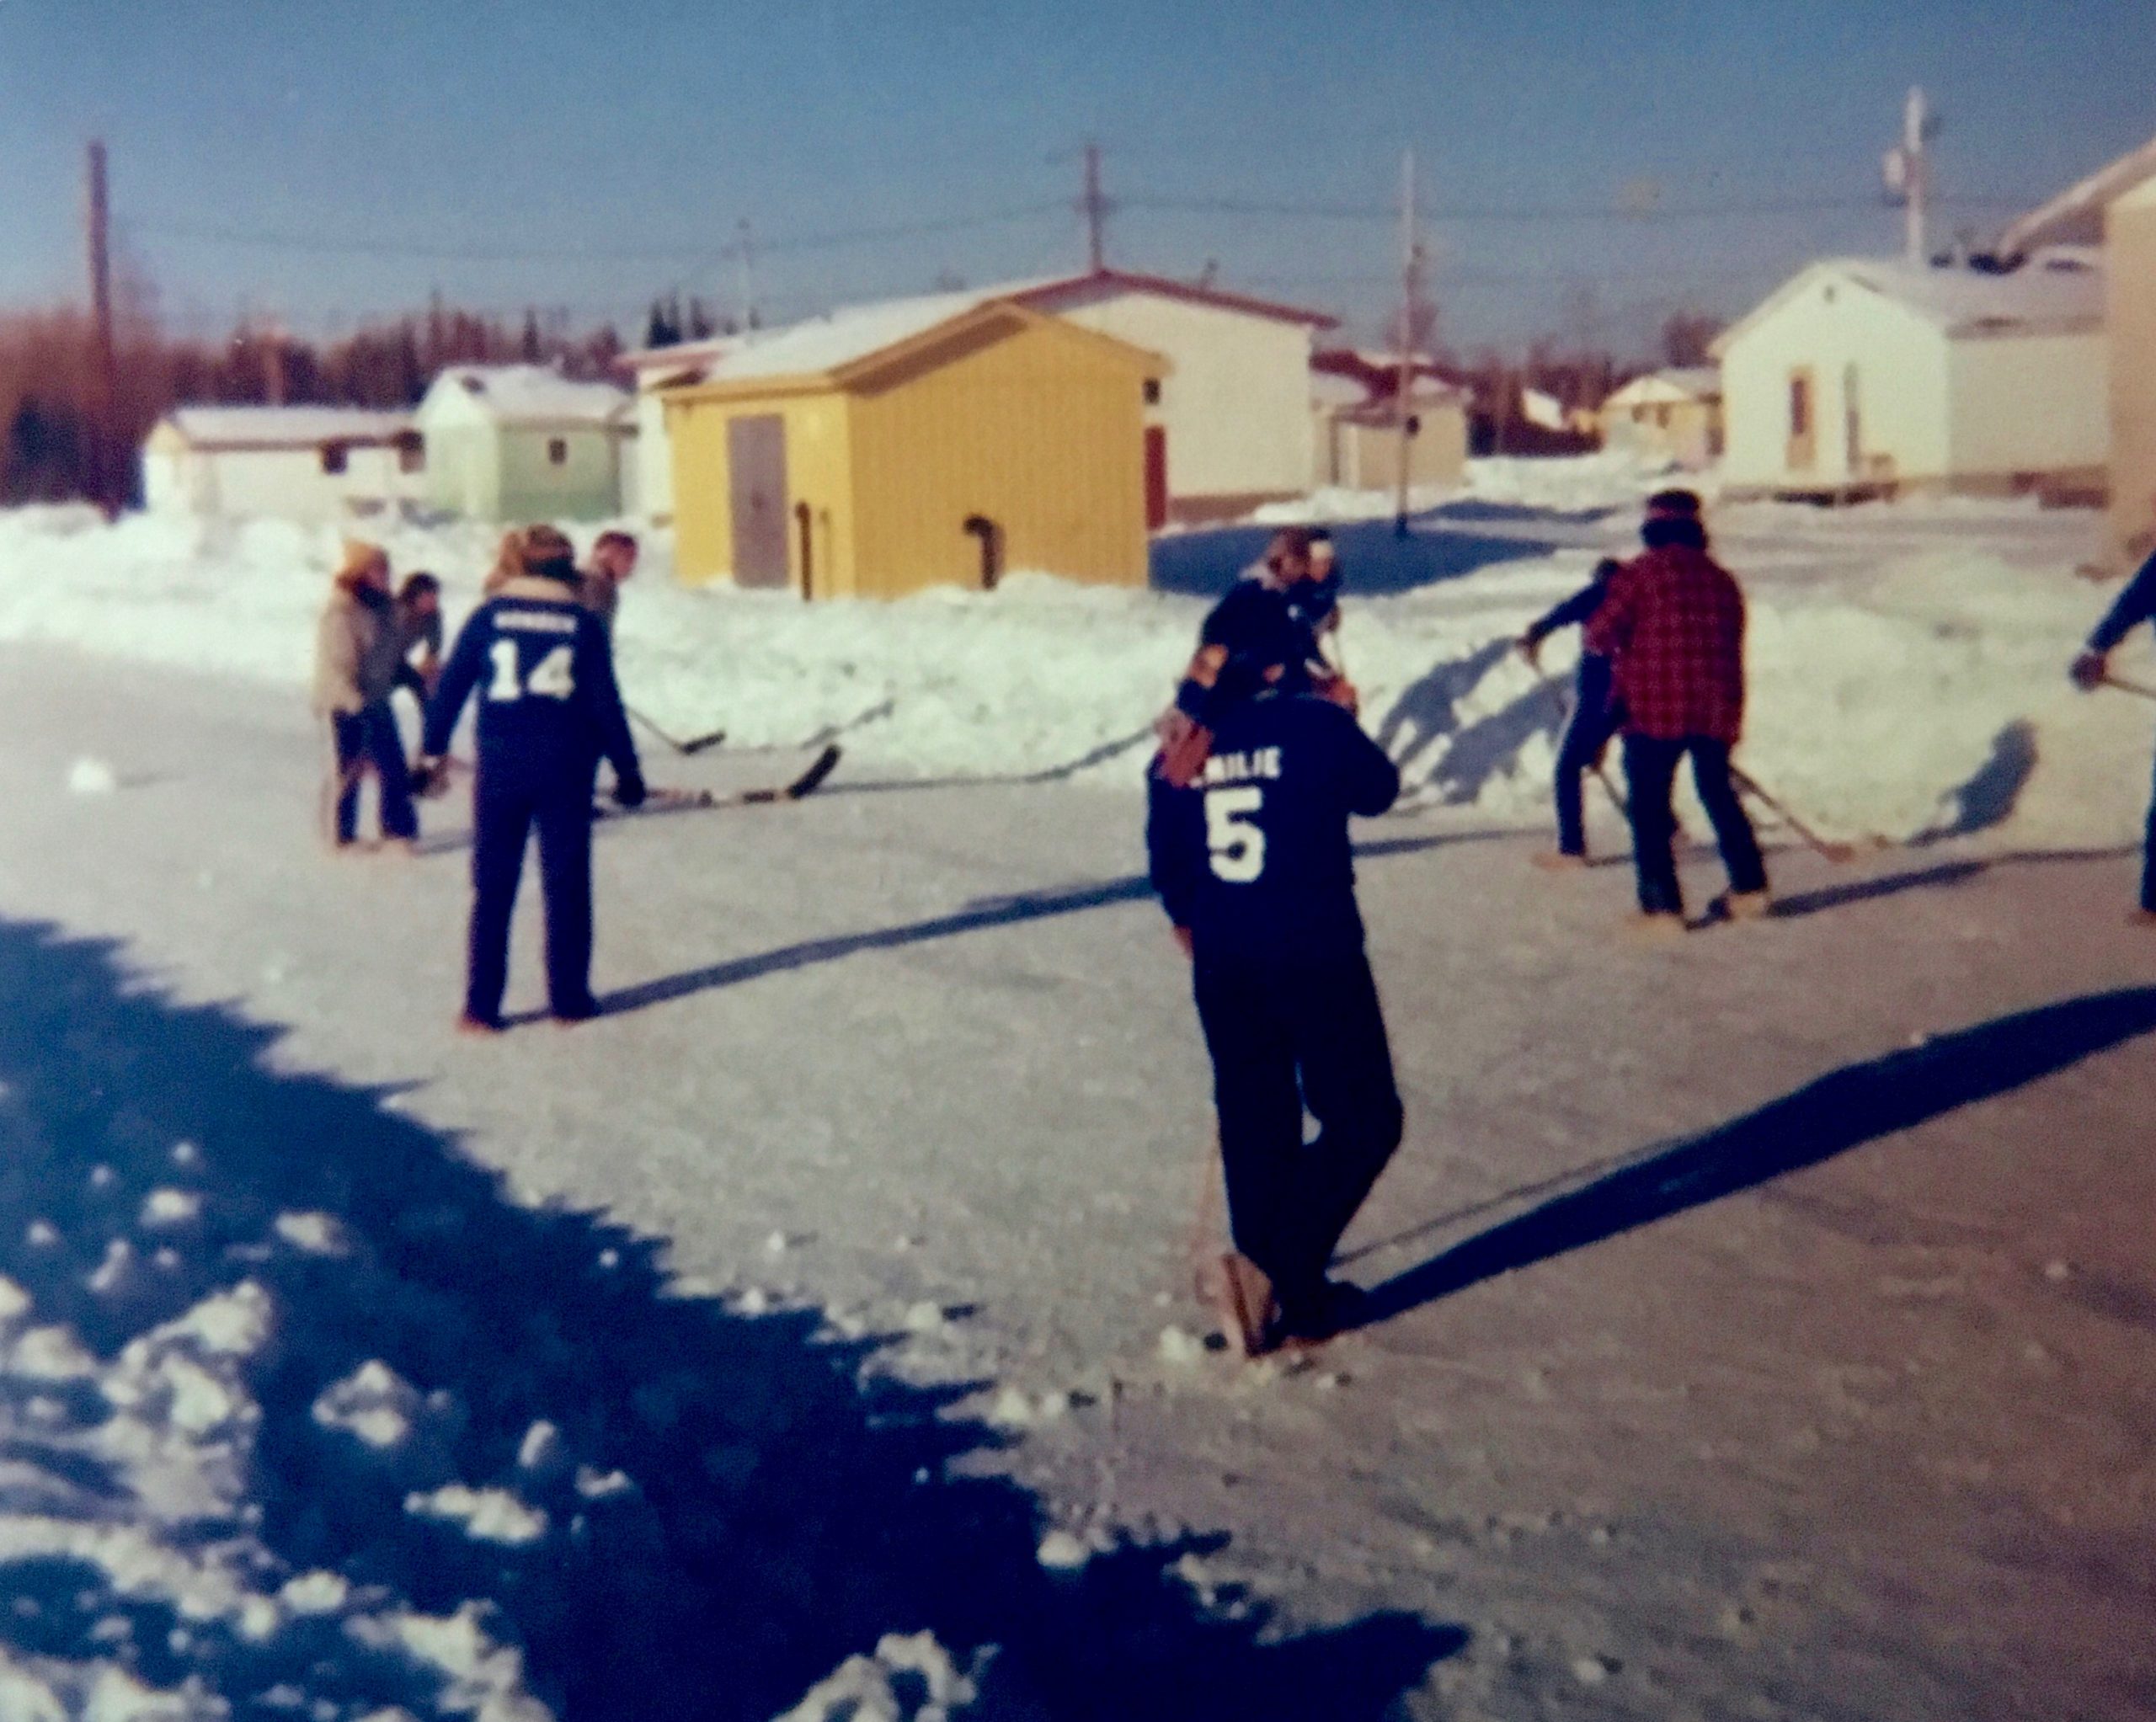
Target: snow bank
<point>1907,662</point>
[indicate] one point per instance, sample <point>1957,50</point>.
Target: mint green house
<point>521,442</point>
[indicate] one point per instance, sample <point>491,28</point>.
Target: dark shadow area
<point>1428,707</point>
<point>977,916</point>
<point>1376,561</point>
<point>1488,747</point>
<point>775,1512</point>
<point>1988,797</point>
<point>1828,897</point>
<point>1845,1109</point>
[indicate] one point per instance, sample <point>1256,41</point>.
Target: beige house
<point>311,464</point>
<point>1667,415</point>
<point>1356,436</point>
<point>2115,207</point>
<point>1865,376</point>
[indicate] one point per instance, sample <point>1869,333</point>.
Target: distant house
<point>1668,415</point>
<point>657,370</point>
<point>1229,427</point>
<point>937,441</point>
<point>1357,433</point>
<point>521,442</point>
<point>1863,377</point>
<point>2115,207</point>
<point>297,463</point>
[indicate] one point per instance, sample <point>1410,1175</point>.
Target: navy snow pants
<point>1596,718</point>
<point>506,810</point>
<point>1287,1036</point>
<point>1651,774</point>
<point>368,740</point>
<point>2148,864</point>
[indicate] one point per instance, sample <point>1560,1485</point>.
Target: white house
<point>1671,415</point>
<point>1862,376</point>
<point>1227,429</point>
<point>1357,432</point>
<point>522,442</point>
<point>299,463</point>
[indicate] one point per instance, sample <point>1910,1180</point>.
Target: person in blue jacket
<point>542,667</point>
<point>1597,714</point>
<point>1253,862</point>
<point>2136,605</point>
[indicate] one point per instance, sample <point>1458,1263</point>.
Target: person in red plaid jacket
<point>1674,625</point>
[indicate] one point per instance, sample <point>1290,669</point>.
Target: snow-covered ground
<point>1907,662</point>
<point>1770,1317</point>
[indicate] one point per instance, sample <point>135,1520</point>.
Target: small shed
<point>1356,433</point>
<point>936,441</point>
<point>2115,207</point>
<point>311,464</point>
<point>1668,415</point>
<point>1863,376</point>
<point>522,442</point>
<point>656,370</point>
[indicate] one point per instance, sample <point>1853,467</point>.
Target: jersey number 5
<point>553,677</point>
<point>1237,844</point>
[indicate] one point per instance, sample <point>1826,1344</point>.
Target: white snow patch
<point>109,1274</point>
<point>88,776</point>
<point>40,1235</point>
<point>14,1301</point>
<point>374,1405</point>
<point>1060,1551</point>
<point>594,1484</point>
<point>316,1234</point>
<point>315,1593</point>
<point>488,1515</point>
<point>875,1688</point>
<point>171,1207</point>
<point>1180,1347</point>
<point>50,1354</point>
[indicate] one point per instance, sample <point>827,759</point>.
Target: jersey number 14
<point>553,677</point>
<point>1234,839</point>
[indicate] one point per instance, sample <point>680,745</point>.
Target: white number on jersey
<point>1237,845</point>
<point>553,677</point>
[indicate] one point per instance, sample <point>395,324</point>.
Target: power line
<point>1527,213</point>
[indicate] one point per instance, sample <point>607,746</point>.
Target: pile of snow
<point>1907,662</point>
<point>88,776</point>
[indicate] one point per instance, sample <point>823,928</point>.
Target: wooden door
<point>1852,423</point>
<point>755,464</point>
<point>1156,476</point>
<point>1803,431</point>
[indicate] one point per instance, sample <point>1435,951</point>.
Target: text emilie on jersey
<point>1243,767</point>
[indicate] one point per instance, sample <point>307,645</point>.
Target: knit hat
<point>1673,505</point>
<point>547,551</point>
<point>360,559</point>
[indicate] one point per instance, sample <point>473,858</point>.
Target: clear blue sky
<point>629,137</point>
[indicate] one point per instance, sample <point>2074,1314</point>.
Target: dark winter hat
<point>1673,504</point>
<point>547,551</point>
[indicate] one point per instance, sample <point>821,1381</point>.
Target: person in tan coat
<point>359,649</point>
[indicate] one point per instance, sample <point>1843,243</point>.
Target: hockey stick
<point>1564,719</point>
<point>2125,686</point>
<point>1840,853</point>
<point>682,801</point>
<point>694,745</point>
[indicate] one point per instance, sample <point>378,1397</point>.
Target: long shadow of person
<point>1428,709</point>
<point>1842,1110</point>
<point>304,1408</point>
<point>1991,792</point>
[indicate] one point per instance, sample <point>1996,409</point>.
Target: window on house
<point>1152,391</point>
<point>1800,406</point>
<point>1661,419</point>
<point>334,458</point>
<point>557,451</point>
<point>411,453</point>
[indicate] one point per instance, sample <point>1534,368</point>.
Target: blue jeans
<point>505,812</point>
<point>2148,864</point>
<point>367,740</point>
<point>1650,772</point>
<point>1595,718</point>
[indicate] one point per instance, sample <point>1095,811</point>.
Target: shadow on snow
<point>786,1510</point>
<point>1375,560</point>
<point>1844,1109</point>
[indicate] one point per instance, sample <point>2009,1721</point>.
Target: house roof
<point>1690,382</point>
<point>533,395</point>
<point>284,427</point>
<point>686,355</point>
<point>851,347</point>
<point>1054,293</point>
<point>2076,216</point>
<point>2056,289</point>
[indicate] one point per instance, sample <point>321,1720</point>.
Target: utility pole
<point>1411,274</point>
<point>274,385</point>
<point>748,245</point>
<point>104,380</point>
<point>1909,172</point>
<point>1093,205</point>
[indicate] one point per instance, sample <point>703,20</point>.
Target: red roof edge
<point>1189,291</point>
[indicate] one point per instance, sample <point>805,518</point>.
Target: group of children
<point>538,656</point>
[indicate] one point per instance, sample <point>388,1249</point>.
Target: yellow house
<point>938,442</point>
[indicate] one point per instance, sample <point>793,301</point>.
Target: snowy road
<point>1710,1392</point>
